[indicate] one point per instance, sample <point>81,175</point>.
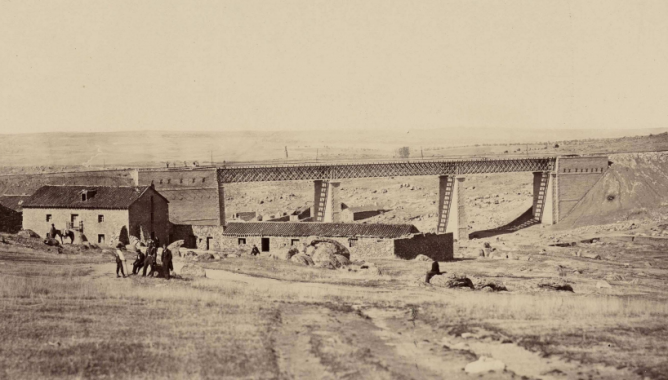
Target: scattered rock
<point>452,281</point>
<point>614,277</point>
<point>27,234</point>
<point>422,257</point>
<point>484,365</point>
<point>206,257</point>
<point>51,242</point>
<point>591,256</point>
<point>492,286</point>
<point>603,285</point>
<point>554,284</point>
<point>192,270</point>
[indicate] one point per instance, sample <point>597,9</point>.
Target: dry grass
<point>64,321</point>
<point>68,326</point>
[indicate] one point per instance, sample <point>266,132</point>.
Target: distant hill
<point>130,149</point>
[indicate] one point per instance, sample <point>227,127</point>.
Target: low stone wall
<point>437,247</point>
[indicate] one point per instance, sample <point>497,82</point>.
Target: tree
<point>404,152</point>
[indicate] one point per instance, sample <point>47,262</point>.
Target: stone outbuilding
<point>103,215</point>
<point>362,240</point>
<point>11,211</point>
<point>350,214</point>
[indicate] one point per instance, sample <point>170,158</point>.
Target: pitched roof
<point>119,198</point>
<point>14,202</point>
<point>320,229</point>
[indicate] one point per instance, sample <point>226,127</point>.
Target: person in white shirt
<point>120,259</point>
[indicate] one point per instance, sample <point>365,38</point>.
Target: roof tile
<point>70,197</point>
<point>320,229</point>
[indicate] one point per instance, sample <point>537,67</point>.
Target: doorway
<point>208,243</point>
<point>265,244</point>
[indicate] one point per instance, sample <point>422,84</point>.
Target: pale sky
<point>246,64</point>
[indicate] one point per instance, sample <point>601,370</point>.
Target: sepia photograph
<point>342,189</point>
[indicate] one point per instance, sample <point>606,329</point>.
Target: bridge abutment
<point>451,207</point>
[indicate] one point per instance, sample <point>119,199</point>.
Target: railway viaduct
<point>558,183</point>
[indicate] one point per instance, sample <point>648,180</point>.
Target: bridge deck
<point>260,173</point>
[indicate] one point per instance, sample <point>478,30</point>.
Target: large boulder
<point>27,234</point>
<point>302,259</point>
<point>192,271</point>
<point>325,259</point>
<point>343,261</point>
<point>175,245</point>
<point>331,246</point>
<point>284,254</point>
<point>175,248</point>
<point>309,250</point>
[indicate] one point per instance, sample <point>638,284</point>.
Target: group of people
<point>146,261</point>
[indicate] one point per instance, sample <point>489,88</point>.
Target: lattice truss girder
<point>392,169</point>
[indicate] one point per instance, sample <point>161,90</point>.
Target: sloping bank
<point>634,187</point>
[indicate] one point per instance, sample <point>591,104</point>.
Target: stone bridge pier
<point>326,202</point>
<point>452,203</point>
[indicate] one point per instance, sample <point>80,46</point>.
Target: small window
<point>294,242</point>
<point>161,182</point>
<point>564,170</point>
<point>569,170</point>
<point>193,180</point>
<point>203,180</point>
<point>100,239</point>
<point>169,181</point>
<point>352,242</point>
<point>587,170</point>
<point>181,180</point>
<point>100,218</point>
<point>49,217</point>
<point>83,197</point>
<point>242,241</point>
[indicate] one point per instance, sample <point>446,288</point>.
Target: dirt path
<point>335,342</point>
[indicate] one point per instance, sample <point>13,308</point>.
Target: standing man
<point>149,259</point>
<point>120,259</point>
<point>52,231</point>
<point>166,261</point>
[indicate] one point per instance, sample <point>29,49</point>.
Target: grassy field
<point>68,316</point>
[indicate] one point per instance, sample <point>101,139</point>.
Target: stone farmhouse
<point>103,215</point>
<point>363,240</point>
